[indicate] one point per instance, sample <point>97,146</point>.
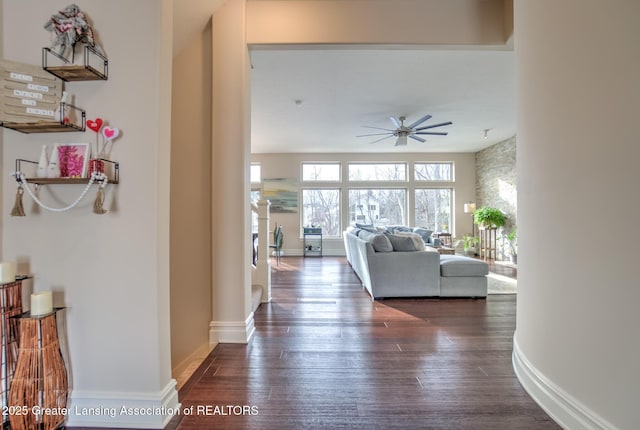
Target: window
<point>433,171</point>
<point>378,206</point>
<point>378,172</point>
<point>433,209</point>
<point>255,173</point>
<point>321,207</point>
<point>329,172</point>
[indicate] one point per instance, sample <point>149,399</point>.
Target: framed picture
<point>73,159</point>
<point>282,193</point>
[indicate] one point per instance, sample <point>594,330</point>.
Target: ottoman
<point>463,276</point>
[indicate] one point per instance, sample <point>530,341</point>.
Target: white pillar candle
<point>7,272</point>
<point>41,303</point>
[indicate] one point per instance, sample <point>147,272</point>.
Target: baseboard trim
<point>231,331</point>
<point>123,410</point>
<point>558,404</point>
<point>196,356</point>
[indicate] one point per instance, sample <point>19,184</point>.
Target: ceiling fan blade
<point>434,125</point>
<point>419,139</point>
<point>420,121</point>
<point>395,121</point>
<point>378,128</point>
<point>381,139</point>
<point>374,134</point>
<point>433,133</point>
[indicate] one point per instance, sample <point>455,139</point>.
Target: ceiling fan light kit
<point>412,131</point>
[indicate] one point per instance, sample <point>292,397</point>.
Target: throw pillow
<point>402,243</point>
<point>424,234</point>
<point>380,242</point>
<point>417,239</point>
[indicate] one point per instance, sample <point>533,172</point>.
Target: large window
<point>255,174</point>
<point>433,171</point>
<point>321,207</point>
<point>378,172</point>
<point>378,206</point>
<point>433,209</point>
<point>328,172</point>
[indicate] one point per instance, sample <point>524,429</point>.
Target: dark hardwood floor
<point>324,356</point>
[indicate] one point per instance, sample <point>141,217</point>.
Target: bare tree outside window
<point>378,206</point>
<point>317,172</point>
<point>433,171</point>
<point>321,208</point>
<point>378,172</point>
<point>433,209</point>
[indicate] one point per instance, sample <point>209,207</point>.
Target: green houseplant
<point>488,217</point>
<point>512,241</point>
<point>470,243</point>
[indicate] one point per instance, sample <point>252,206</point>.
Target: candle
<point>41,303</point>
<point>7,272</point>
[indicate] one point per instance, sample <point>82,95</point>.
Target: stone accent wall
<point>496,184</point>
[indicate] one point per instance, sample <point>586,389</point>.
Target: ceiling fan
<point>402,132</point>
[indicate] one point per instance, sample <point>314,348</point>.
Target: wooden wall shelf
<point>52,181</point>
<point>77,72</point>
<point>43,127</point>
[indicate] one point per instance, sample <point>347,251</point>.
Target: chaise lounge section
<point>390,266</point>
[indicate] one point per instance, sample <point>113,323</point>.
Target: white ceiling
<point>342,90</point>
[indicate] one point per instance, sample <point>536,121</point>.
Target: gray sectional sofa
<point>398,265</point>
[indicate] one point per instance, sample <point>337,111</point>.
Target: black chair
<point>278,243</point>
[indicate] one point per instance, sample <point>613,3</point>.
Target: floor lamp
<point>470,208</point>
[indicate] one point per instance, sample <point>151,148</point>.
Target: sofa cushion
<point>457,265</point>
<point>417,240</point>
<point>367,227</point>
<point>402,243</point>
<point>424,234</point>
<point>379,241</point>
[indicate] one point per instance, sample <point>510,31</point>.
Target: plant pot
<point>470,251</point>
<point>513,258</point>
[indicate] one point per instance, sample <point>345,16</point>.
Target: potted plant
<point>277,245</point>
<point>512,241</point>
<point>488,217</point>
<point>470,243</point>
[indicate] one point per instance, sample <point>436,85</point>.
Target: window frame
<point>321,163</point>
<point>339,227</point>
<point>378,181</point>
<point>422,181</point>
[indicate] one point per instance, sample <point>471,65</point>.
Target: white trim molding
<point>561,406</point>
<point>123,410</point>
<point>231,331</point>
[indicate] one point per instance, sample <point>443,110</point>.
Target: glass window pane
<point>378,172</point>
<point>433,209</point>
<point>378,206</point>
<point>321,172</point>
<point>321,208</point>
<point>433,171</point>
<point>255,173</point>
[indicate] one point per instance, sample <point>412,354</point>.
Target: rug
<point>498,284</point>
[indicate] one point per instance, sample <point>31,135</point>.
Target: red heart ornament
<point>110,133</point>
<point>94,125</point>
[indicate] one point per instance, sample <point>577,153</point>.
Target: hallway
<point>324,356</point>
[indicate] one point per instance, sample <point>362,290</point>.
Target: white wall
<point>191,201</point>
<point>110,271</point>
<point>577,346</point>
<point>290,166</point>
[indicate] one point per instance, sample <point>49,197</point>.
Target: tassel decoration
<point>98,204</point>
<point>18,209</point>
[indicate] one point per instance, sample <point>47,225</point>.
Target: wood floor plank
<point>325,356</point>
